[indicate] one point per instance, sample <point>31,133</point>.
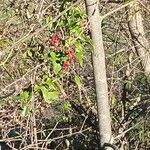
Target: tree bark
<point>98,56</point>
<point>136,28</point>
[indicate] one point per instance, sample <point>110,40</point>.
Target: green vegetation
<point>45,63</point>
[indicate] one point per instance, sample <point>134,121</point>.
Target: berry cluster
<point>55,40</point>
<point>70,54</point>
<point>55,43</point>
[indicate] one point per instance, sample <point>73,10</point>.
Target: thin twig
<point>144,6</point>
<point>120,135</point>
<point>30,34</point>
<point>117,9</point>
<point>50,134</point>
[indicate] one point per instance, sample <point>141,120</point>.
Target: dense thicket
<point>47,88</point>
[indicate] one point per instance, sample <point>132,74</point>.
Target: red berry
<point>66,65</point>
<point>55,40</point>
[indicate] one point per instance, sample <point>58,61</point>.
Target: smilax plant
<point>66,48</point>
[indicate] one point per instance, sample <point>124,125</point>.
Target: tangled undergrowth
<point>47,93</point>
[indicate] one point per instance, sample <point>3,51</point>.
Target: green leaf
<point>78,81</point>
<point>29,53</point>
<point>66,106</point>
<point>79,56</point>
<point>67,142</point>
<point>57,68</point>
<point>53,57</point>
<point>76,30</point>
<point>24,95</point>
<point>16,98</point>
<point>79,45</point>
<point>49,96</point>
<point>36,87</point>
<point>49,141</point>
<point>24,98</point>
<point>25,111</point>
<point>53,95</point>
<point>114,100</point>
<point>51,84</point>
<point>49,22</point>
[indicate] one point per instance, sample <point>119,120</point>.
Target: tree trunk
<point>98,56</point>
<point>140,42</point>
